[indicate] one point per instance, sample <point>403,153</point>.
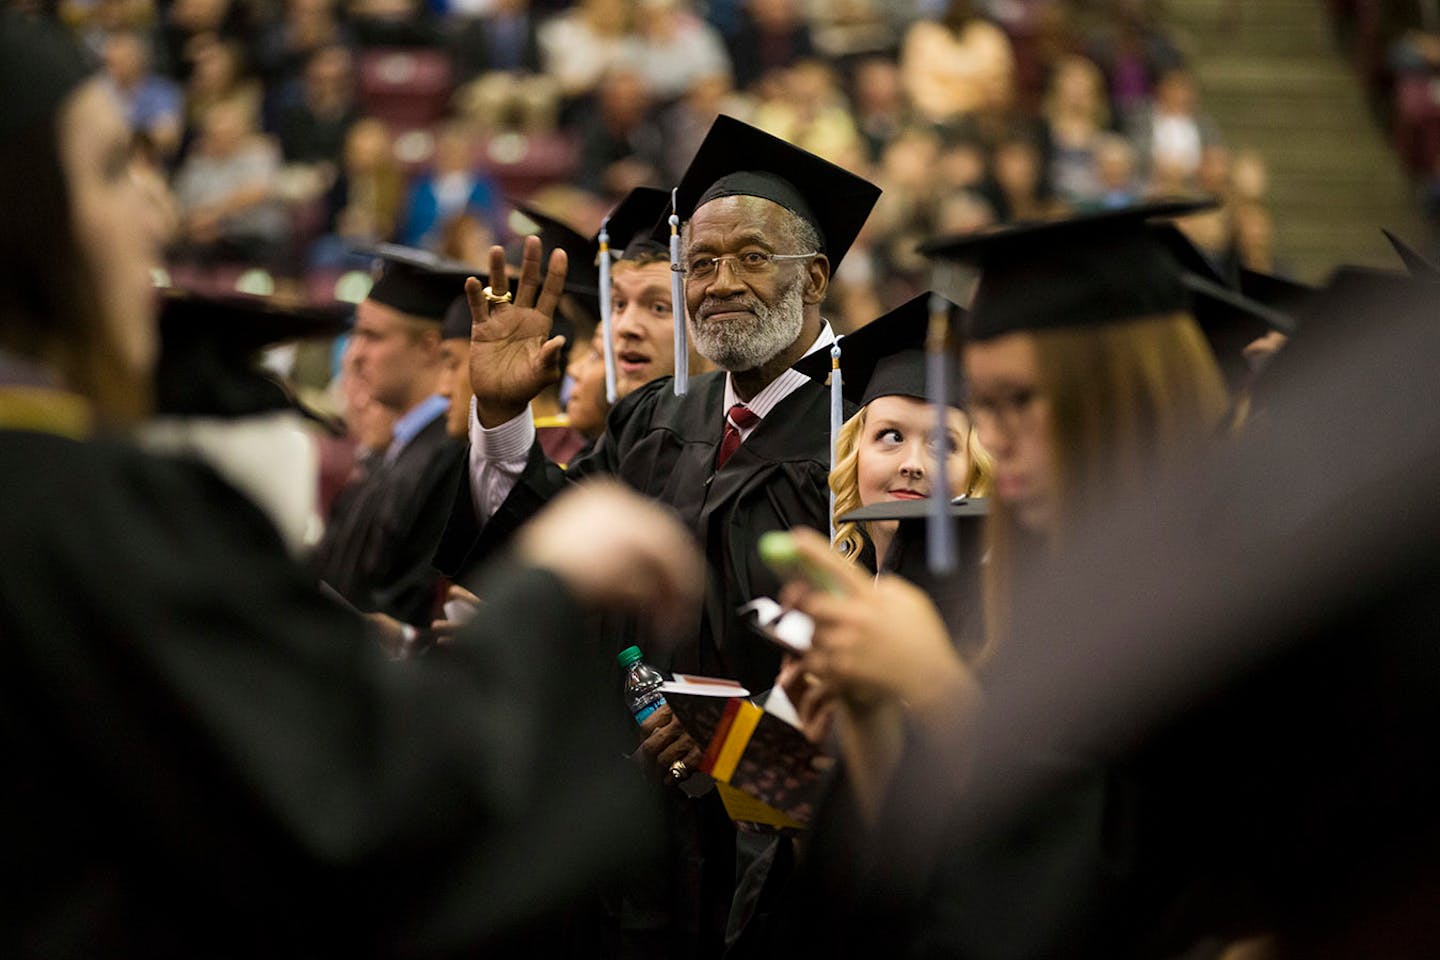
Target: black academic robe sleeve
<point>207,757</point>
<point>468,542</point>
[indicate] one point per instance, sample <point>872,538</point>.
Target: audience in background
<point>969,112</point>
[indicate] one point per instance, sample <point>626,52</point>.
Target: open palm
<point>512,354</point>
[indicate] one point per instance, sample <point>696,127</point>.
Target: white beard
<point>738,346</point>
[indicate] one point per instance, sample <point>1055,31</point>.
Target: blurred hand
<point>461,606</point>
<point>814,699</point>
<point>618,551</point>
<point>884,637</point>
<point>512,355</point>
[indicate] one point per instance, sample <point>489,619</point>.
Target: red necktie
<point>739,418</point>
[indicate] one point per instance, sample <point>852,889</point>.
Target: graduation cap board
<point>1099,268</point>
<point>736,159</point>
<point>886,357</point>
<point>1283,294</point>
<point>581,277</point>
<point>208,347</point>
<point>416,282</point>
<point>1190,257</point>
<point>956,597</point>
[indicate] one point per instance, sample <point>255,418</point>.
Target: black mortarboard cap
<point>736,159</point>
<point>954,596</point>
<point>1190,257</point>
<point>1283,294</point>
<point>1230,322</point>
<point>886,357</point>
<point>582,278</point>
<point>963,508</point>
<point>638,226</point>
<point>1418,264</point>
<point>208,347</point>
<point>1098,268</point>
<point>40,64</point>
<point>416,282</point>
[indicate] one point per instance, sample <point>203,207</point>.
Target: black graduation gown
<point>206,757</point>
<point>664,446</point>
<point>378,549</point>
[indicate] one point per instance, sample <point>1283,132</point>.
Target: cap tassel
<point>607,323</point>
<point>940,540</point>
<point>677,306</point>
<point>837,421</point>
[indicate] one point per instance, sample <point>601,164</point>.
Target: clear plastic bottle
<point>642,684</point>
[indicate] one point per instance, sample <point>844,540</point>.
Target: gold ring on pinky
<point>492,297</point>
<point>679,771</point>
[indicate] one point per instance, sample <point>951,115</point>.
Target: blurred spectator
<point>153,104</point>
<point>454,185</point>
<point>1076,114</point>
<point>811,113</point>
<point>849,29</point>
<point>1249,176</point>
<point>393,23</point>
<point>621,147</point>
<point>685,123</point>
<point>217,75</point>
<point>313,131</point>
<point>1133,52</point>
<point>958,65</point>
<point>1116,172</point>
<point>287,45</point>
<point>677,48</point>
<point>771,35</point>
<point>1019,186</point>
<point>582,45</point>
<point>1171,135</point>
<point>226,191</point>
<point>879,103</point>
<point>962,165</point>
<point>1213,175</point>
<point>196,21</point>
<point>364,204</point>
<point>466,238</point>
<point>1415,25</point>
<point>503,39</point>
<point>498,59</point>
<point>94,22</point>
<point>963,211</point>
<point>1254,239</point>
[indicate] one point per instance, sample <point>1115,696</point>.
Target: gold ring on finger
<point>492,297</point>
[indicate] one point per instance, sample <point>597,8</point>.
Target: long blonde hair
<point>1126,399</point>
<point>845,480</point>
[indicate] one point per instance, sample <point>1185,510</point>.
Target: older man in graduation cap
<point>378,555</point>
<point>735,452</point>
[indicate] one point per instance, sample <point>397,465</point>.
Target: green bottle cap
<point>630,656</point>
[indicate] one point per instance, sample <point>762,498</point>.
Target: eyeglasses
<point>753,263</point>
<point>1004,412</point>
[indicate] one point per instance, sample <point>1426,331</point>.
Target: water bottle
<point>642,684</point>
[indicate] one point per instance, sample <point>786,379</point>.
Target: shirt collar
<point>782,386</point>
<point>414,420</point>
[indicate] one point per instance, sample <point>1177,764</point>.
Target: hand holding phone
<point>778,550</point>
